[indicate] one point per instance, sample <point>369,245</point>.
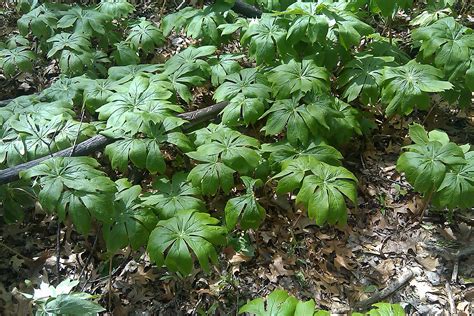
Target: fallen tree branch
<point>246,9</point>
<point>5,102</point>
<point>99,141</point>
<point>389,290</point>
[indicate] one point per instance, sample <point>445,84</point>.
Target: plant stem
<point>110,284</point>
<point>426,202</point>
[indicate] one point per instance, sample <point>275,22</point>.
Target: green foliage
<point>322,188</point>
<point>223,66</point>
<point>318,22</point>
<point>406,87</point>
<point>303,122</point>
<point>84,21</point>
<point>438,168</point>
<point>172,241</point>
<point>451,44</point>
<point>41,21</point>
<point>16,197</point>
<point>198,23</point>
<point>266,39</point>
<point>247,82</point>
<point>245,206</point>
<point>139,103</point>
<point>243,110</point>
<point>293,78</point>
<point>74,187</point>
<point>50,300</point>
<point>279,302</point>
<point>388,8</point>
<point>132,222</point>
<point>15,60</point>
<point>235,150</point>
<point>361,77</point>
<point>146,36</point>
<point>173,195</point>
<point>115,8</point>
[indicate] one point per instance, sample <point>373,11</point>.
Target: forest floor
<point>386,236</point>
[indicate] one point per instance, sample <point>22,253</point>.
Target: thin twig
<point>452,303</point>
<point>58,248</point>
<point>389,290</point>
<point>15,252</point>
<point>110,284</point>
<point>89,257</point>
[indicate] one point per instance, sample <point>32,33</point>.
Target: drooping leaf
<point>295,77</point>
<point>173,195</point>
<point>406,87</point>
<point>72,186</point>
<point>235,150</point>
<point>15,60</point>
<point>247,82</point>
<point>322,188</point>
<point>116,8</point>
<point>132,222</point>
<point>146,36</point>
<point>172,241</point>
<point>245,206</point>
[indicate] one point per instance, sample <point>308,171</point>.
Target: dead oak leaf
<point>277,268</point>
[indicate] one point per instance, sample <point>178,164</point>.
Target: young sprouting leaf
<point>248,82</point>
<point>173,195</point>
<point>132,222</point>
<point>361,77</point>
<point>84,21</point>
<point>223,66</point>
<point>211,176</point>
<point>245,206</point>
<point>322,188</point>
<point>172,241</point>
<point>235,150</point>
<point>426,162</point>
<point>406,87</point>
<point>450,42</point>
<point>266,38</point>
<point>116,8</point>
<point>73,187</point>
<point>146,36</point>
<point>15,60</point>
<point>243,110</point>
<point>279,302</point>
<point>295,77</point>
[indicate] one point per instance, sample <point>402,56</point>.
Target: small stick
<point>15,252</point>
<point>389,290</point>
<point>452,305</point>
<point>454,275</point>
<point>110,284</point>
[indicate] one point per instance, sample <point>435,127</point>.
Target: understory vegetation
<point>175,135</point>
